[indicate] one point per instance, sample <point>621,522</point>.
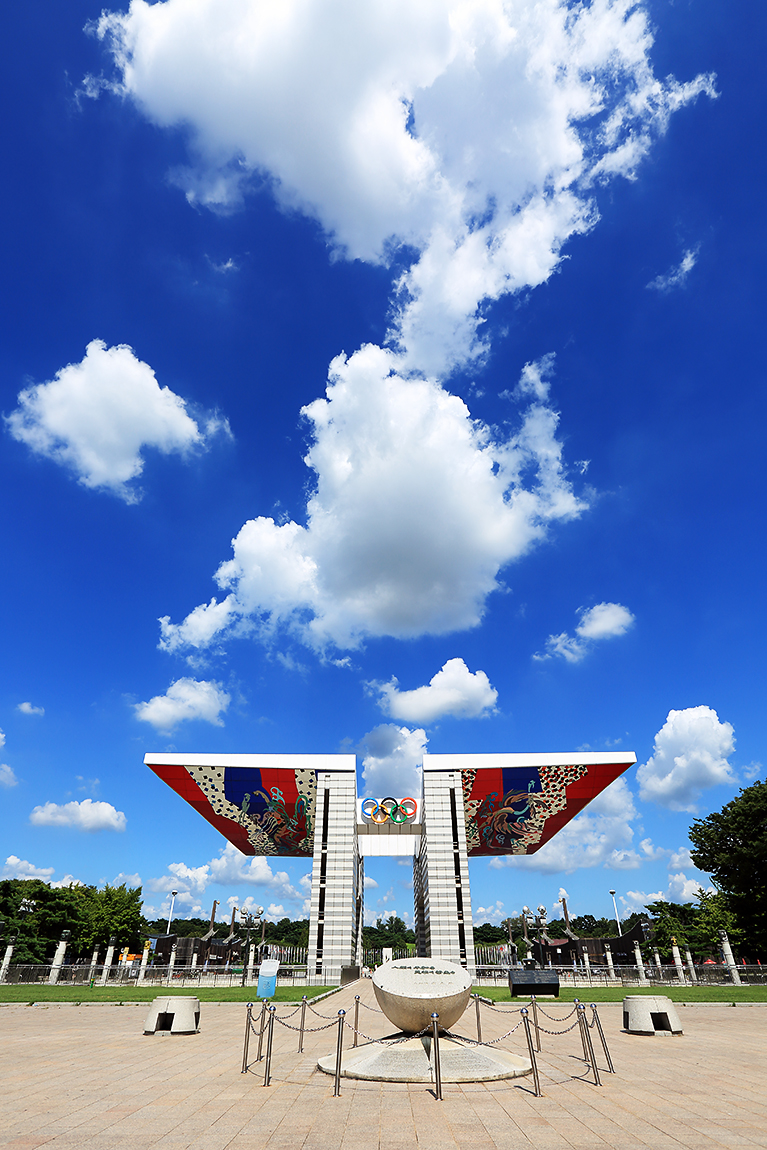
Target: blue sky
<point>448,317</point>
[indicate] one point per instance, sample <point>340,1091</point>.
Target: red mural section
<point>516,810</point>
<point>264,811</point>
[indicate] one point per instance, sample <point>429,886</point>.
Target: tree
<point>671,920</point>
<point>731,846</point>
<point>713,914</point>
<point>489,935</point>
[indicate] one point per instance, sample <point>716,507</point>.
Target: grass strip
<point>618,993</point>
<point>26,992</point>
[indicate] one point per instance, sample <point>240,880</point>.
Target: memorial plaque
<point>411,989</point>
<point>533,982</point>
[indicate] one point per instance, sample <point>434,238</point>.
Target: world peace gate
<point>306,806</point>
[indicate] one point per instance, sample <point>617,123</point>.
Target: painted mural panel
<point>261,810</point>
<point>515,810</point>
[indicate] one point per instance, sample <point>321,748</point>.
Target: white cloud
<point>2,739</point>
<point>493,914</point>
<point>28,709</point>
<point>402,472</point>
<point>600,836</point>
<point>392,761</point>
<point>690,754</point>
<point>96,417</point>
<point>680,889</point>
<point>7,777</point>
<point>370,883</point>
<point>185,699</point>
<point>604,621</point>
<point>454,690</point>
<point>229,868</point>
<point>87,815</point>
<point>474,133</point>
<point>680,858</point>
<point>130,880</point>
<point>66,881</point>
<point>676,276</point>
<point>19,868</point>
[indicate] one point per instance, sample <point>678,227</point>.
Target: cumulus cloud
<point>123,879</point>
<point>494,914</point>
<point>185,699</point>
<point>67,881</point>
<point>7,777</point>
<point>370,883</point>
<point>690,755</point>
<point>28,709</point>
<point>677,276</point>
<point>604,621</point>
<point>392,759</point>
<point>15,867</point>
<point>98,416</point>
<point>402,472</point>
<point>88,815</point>
<point>230,867</point>
<point>600,836</point>
<point>454,691</point>
<point>474,134</point>
<point>680,889</point>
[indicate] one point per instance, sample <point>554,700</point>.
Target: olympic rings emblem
<point>389,810</point>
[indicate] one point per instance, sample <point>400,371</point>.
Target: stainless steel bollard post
<point>598,1021</point>
<point>264,1006</point>
<point>437,1067</point>
<point>479,1021</point>
<point>301,1028</point>
<point>247,1039</point>
<point>587,1045</point>
<point>535,1024</point>
<point>339,1053</point>
<point>578,1005</point>
<point>356,1017</point>
<point>269,1037</point>
<point>531,1049</point>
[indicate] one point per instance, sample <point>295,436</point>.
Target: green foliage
<point>488,935</point>
<point>90,915</point>
<point>731,846</point>
<point>586,926</point>
<point>388,932</point>
<point>713,914</point>
<point>671,920</point>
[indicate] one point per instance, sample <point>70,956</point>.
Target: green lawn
<point>617,994</point>
<point>44,993</point>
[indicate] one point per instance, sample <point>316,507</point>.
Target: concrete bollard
<point>58,960</point>
<point>677,960</point>
<point>640,963</point>
<point>690,964</point>
<point>108,961</point>
<point>728,957</point>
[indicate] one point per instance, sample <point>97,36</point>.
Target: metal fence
<point>705,975</point>
<point>126,976</point>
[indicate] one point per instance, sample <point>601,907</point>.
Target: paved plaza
<point>87,1077</point>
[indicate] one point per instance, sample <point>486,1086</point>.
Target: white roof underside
<point>270,762</point>
<point>519,759</point>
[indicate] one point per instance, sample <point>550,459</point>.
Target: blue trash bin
<point>267,978</point>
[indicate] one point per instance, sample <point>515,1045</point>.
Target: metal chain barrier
<point>269,1016</point>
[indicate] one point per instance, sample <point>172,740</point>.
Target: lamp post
<point>173,894</point>
<point>615,908</point>
<point>250,920</point>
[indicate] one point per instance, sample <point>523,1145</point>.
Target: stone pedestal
<point>176,1014</point>
<point>411,989</point>
<point>650,1014</point>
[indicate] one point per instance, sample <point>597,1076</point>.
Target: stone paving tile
<point>87,1077</point>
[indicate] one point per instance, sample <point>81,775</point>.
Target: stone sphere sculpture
<point>409,990</point>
